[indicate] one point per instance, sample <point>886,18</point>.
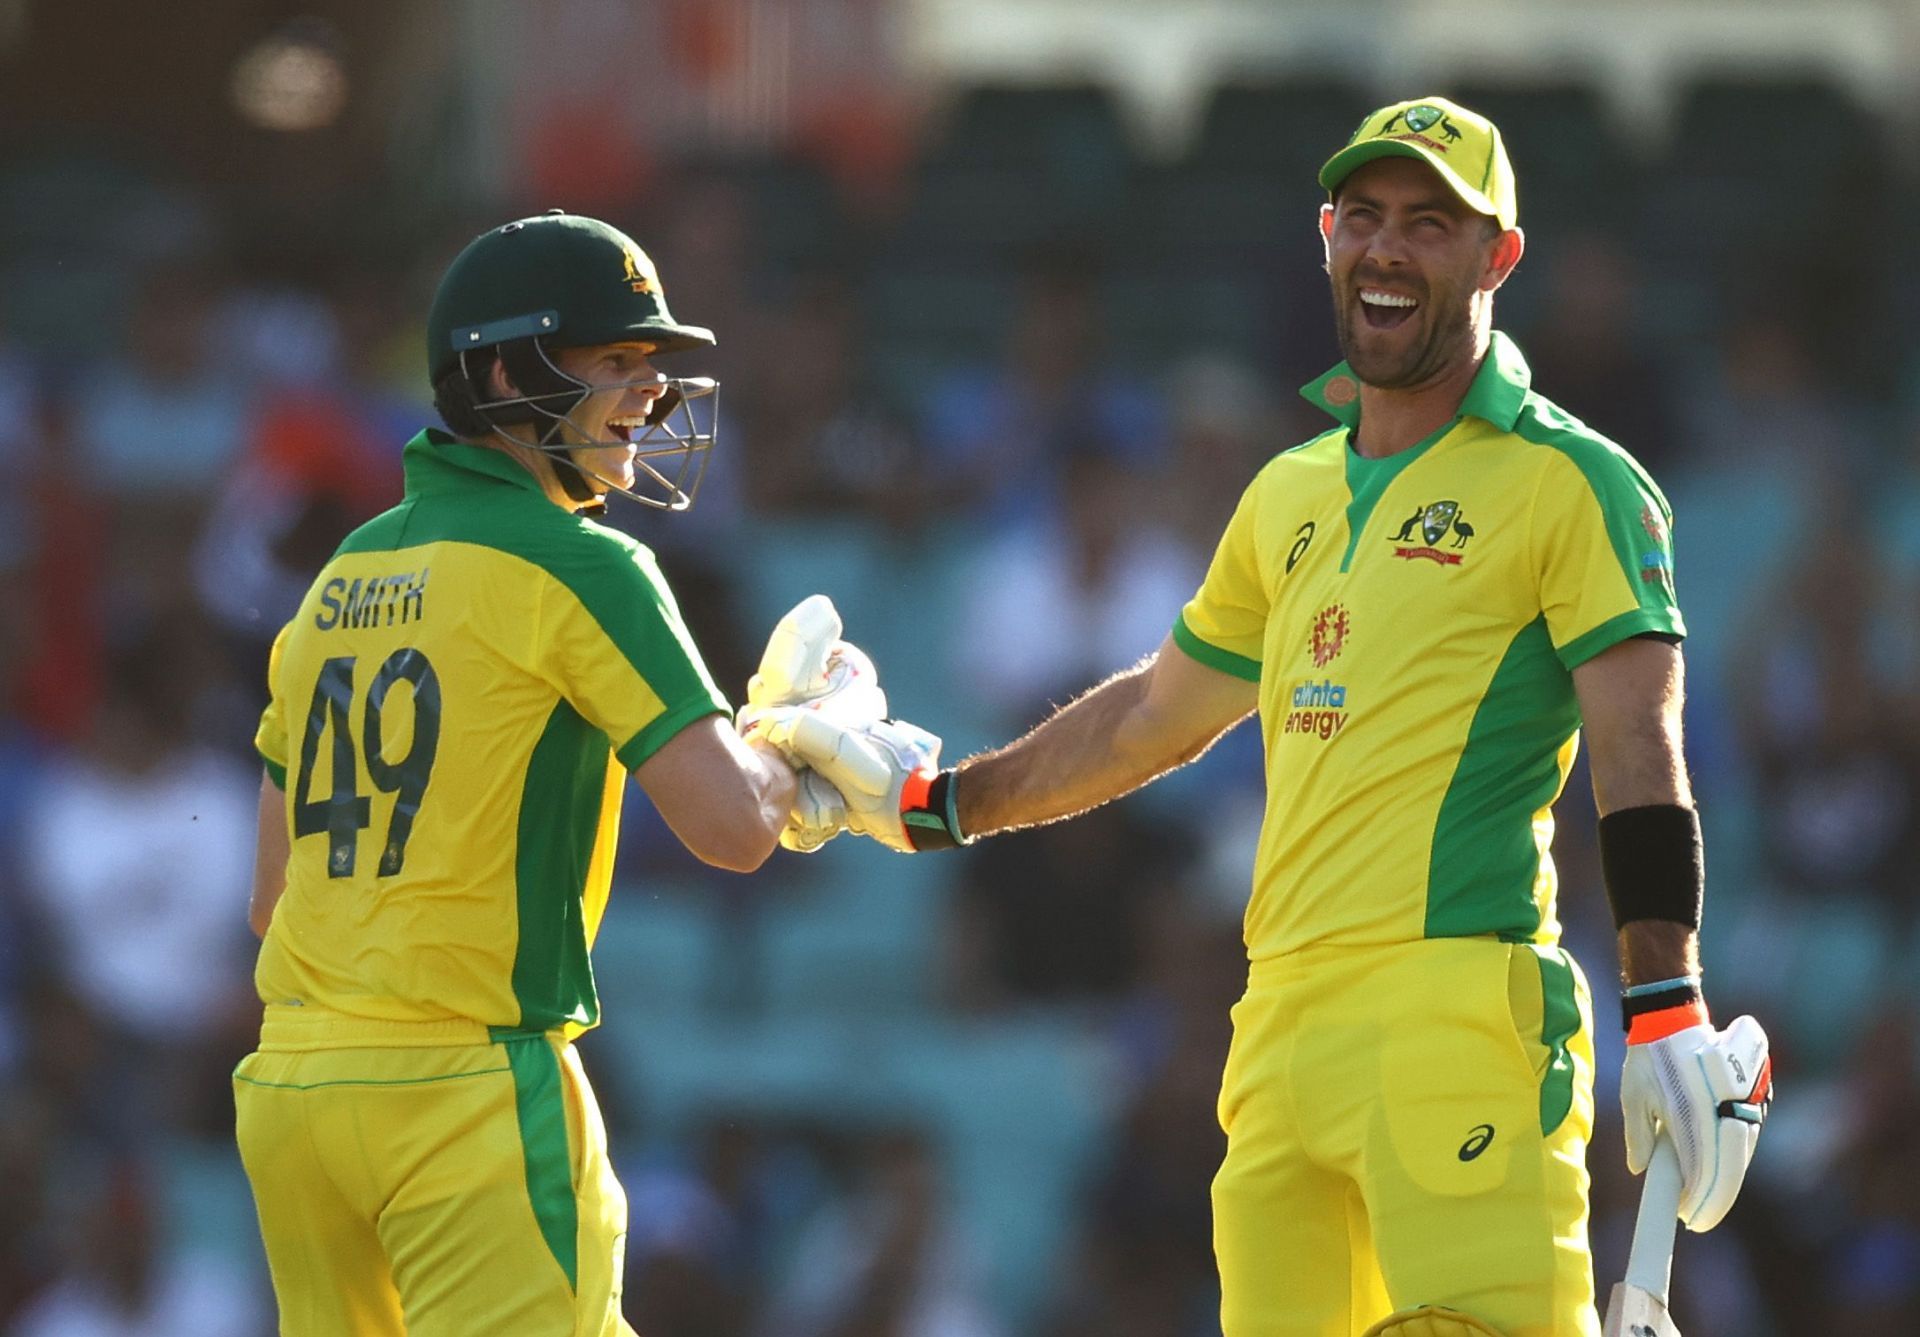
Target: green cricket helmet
<point>560,280</point>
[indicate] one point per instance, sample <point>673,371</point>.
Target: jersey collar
<point>1498,391</point>
<point>434,461</point>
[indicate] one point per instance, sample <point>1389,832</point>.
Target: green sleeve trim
<point>1634,622</point>
<point>1213,656</point>
<point>637,749</point>
<point>541,1106</point>
<point>275,772</point>
<point>1626,495</point>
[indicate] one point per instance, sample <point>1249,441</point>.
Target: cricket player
<point>455,709</point>
<point>1427,604</point>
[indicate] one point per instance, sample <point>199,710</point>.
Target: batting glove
<point>818,814</point>
<point>806,664</point>
<point>1708,1090</point>
<point>882,770</point>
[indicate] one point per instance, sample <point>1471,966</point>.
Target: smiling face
<point>626,387</point>
<point>1413,271</point>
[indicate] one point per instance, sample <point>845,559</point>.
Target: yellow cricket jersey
<point>454,711</point>
<point>1413,622</point>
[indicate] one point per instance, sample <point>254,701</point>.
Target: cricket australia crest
<point>1435,521</point>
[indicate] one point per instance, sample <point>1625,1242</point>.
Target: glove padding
<point>817,816</point>
<point>1709,1090</point>
<point>806,664</point>
<point>868,764</point>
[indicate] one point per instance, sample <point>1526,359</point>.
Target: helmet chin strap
<point>541,380</point>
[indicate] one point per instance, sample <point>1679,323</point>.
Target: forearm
<point>1108,742</point>
<point>771,787</point>
<point>1649,836</point>
<point>1652,950</point>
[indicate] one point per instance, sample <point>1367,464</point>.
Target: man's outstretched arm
<point>1137,725</point>
<point>885,780</point>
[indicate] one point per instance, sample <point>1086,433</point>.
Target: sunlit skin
<point>610,365</point>
<point>1395,229</point>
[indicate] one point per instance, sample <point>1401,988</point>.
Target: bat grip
<point>1650,1263</point>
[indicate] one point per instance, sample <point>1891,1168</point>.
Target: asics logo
<point>1477,1141</point>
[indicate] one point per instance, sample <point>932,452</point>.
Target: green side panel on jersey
<point>559,820</point>
<point>541,1106</point>
<point>1484,860</point>
<point>1368,478</point>
<point>1226,661</point>
<point>613,576</point>
<point>1559,1023</point>
<point>276,771</point>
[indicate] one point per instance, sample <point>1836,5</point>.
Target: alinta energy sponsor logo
<point>1435,521</point>
<point>1319,708</point>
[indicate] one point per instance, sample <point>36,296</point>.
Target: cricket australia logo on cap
<point>1420,119</point>
<point>1435,521</point>
<point>638,272</point>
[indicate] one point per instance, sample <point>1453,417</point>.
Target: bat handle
<point>1650,1263</point>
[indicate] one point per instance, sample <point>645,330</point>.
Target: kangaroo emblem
<point>1406,530</point>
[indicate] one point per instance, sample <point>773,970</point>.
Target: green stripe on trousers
<point>541,1106</point>
<point>1559,1023</point>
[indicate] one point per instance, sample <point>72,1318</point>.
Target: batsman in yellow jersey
<point>1427,604</point>
<point>455,709</point>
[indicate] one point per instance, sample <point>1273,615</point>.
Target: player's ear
<point>499,384</point>
<point>1508,246</point>
<point>1326,234</point>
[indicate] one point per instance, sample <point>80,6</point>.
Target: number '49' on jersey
<point>455,709</point>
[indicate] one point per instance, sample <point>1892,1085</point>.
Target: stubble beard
<point>1417,362</point>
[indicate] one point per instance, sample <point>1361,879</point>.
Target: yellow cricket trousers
<point>433,1190</point>
<point>1407,1125</point>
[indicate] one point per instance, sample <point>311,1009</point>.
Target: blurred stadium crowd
<point>998,401</point>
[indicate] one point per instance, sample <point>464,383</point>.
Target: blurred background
<point>1013,298</point>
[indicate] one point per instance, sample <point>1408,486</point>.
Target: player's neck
<point>534,462</point>
<point>1395,420</point>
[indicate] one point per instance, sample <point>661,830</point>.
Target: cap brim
<point>673,338</point>
<point>1344,163</point>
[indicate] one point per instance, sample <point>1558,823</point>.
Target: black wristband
<point>1645,998</point>
<point>1654,864</point>
<point>934,822</point>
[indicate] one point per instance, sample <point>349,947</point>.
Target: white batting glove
<point>1709,1091</point>
<point>878,768</point>
<point>807,664</point>
<point>818,814</point>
